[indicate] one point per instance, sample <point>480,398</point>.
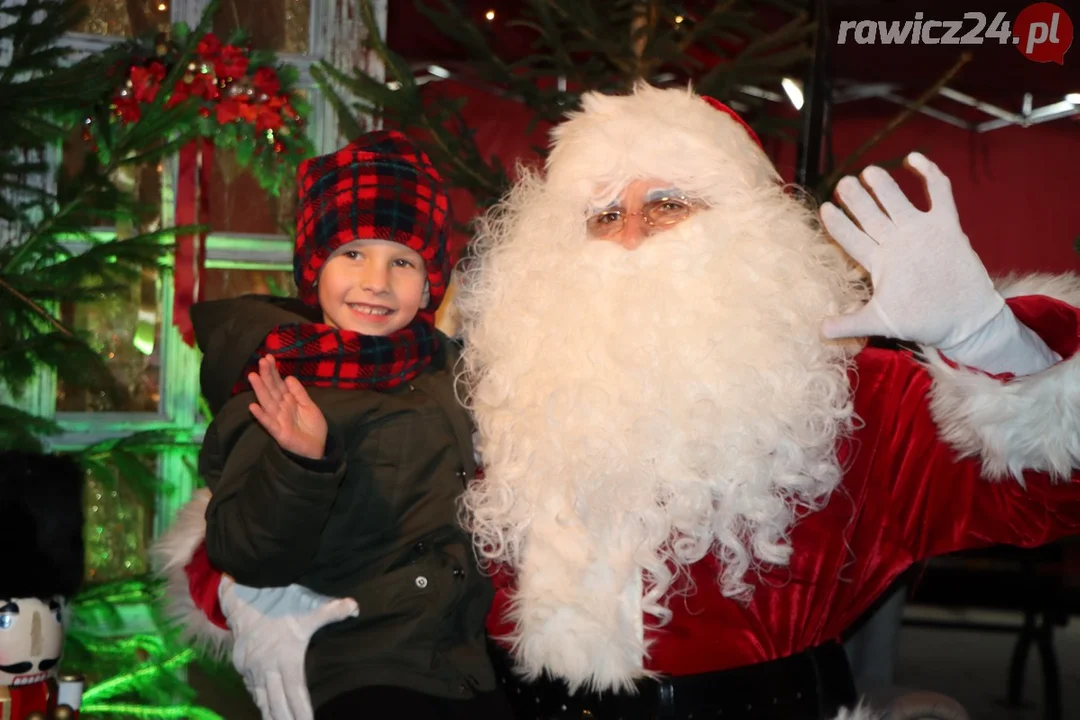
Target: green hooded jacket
<point>376,520</point>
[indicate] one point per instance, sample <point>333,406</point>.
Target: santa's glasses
<point>660,213</point>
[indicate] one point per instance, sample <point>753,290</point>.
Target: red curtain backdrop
<point>1017,189</point>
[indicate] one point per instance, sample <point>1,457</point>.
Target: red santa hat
<point>697,143</point>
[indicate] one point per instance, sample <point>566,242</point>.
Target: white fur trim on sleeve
<point>1064,287</point>
<point>1028,423</point>
<point>170,555</point>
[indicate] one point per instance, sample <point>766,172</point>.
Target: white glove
<point>272,628</point>
<point>929,285</point>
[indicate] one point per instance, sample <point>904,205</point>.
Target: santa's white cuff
<point>171,554</point>
<point>1027,423</point>
<point>1004,345</point>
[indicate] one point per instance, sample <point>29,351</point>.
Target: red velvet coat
<point>906,496</point>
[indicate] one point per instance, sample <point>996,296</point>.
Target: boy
<point>343,478</point>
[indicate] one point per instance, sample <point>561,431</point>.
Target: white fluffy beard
<point>640,409</point>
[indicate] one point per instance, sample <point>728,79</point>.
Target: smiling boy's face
<point>373,287</point>
<point>31,638</point>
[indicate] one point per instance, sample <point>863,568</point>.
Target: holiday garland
<point>207,96</point>
<point>246,100</point>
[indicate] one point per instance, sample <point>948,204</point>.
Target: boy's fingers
<point>288,404</point>
<point>298,392</point>
<point>271,381</point>
<point>264,419</point>
<point>275,374</point>
<point>262,394</point>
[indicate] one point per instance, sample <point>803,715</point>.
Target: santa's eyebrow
<point>613,205</point>
<point>9,607</point>
<point>658,193</point>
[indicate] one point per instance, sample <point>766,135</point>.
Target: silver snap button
<point>421,582</point>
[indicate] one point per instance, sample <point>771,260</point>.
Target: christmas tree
<point>132,106</point>
<point>748,54</point>
<point>42,220</point>
<point>577,46</point>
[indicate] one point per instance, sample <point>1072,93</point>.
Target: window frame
<point>334,34</point>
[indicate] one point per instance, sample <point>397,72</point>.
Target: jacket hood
<point>229,332</point>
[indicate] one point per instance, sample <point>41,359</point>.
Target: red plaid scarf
<point>319,355</point>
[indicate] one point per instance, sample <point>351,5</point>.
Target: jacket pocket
<point>414,600</point>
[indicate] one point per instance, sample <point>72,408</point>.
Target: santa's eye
<point>6,621</point>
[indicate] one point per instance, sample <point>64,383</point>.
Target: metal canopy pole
<point>816,102</point>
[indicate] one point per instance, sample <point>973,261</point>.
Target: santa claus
<point>697,472</point>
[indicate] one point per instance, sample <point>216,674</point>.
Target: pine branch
<point>587,45</point>
<point>587,23</point>
<point>45,97</point>
<point>825,189</point>
<point>441,141</point>
<point>21,430</point>
<point>35,307</point>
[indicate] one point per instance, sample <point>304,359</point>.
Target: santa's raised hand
<point>929,285</point>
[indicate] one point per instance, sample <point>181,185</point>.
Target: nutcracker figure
<point>41,515</point>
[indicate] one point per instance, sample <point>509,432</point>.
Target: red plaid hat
<point>380,187</point>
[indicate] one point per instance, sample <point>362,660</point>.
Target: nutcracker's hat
<point>42,520</point>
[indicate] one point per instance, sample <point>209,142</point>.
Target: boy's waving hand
<point>287,412</point>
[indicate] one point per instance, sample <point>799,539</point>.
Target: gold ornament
<point>63,712</point>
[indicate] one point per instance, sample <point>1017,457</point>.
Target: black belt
<point>812,685</point>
